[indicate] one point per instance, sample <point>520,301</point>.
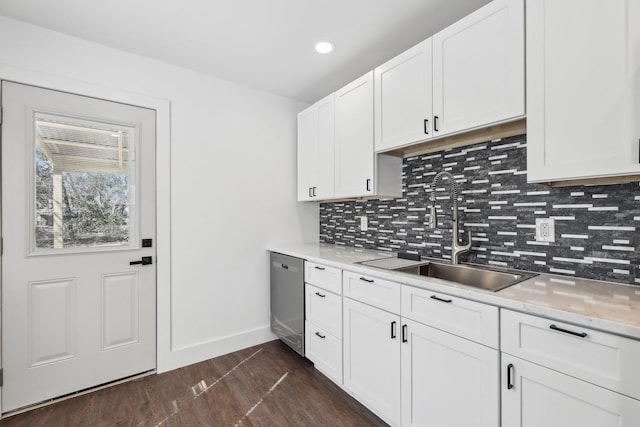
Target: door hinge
<point>1,249</point>
<point>1,114</point>
<point>1,377</point>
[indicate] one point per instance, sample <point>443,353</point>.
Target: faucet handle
<point>433,218</point>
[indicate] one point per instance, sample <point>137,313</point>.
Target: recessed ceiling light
<point>324,47</point>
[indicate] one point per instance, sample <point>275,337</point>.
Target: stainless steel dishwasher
<point>287,300</point>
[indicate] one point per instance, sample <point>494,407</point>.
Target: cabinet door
<point>372,358</point>
<point>354,161</point>
<point>307,153</point>
<point>583,108</point>
<point>325,138</point>
<point>316,151</point>
<point>448,381</point>
<point>542,397</point>
<point>478,68</point>
<point>403,98</point>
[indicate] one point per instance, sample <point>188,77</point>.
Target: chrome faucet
<point>457,248</point>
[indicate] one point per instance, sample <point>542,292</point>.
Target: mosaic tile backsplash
<point>596,227</point>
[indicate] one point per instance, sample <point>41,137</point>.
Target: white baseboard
<point>184,356</point>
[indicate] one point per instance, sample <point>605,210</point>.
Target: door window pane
<point>84,181</point>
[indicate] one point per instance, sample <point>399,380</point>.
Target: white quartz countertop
<point>606,306</point>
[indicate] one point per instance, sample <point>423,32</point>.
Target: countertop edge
<point>313,252</point>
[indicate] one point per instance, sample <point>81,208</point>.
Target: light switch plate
<point>363,223</point>
<point>545,230</point>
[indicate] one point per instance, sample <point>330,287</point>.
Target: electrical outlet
<point>545,230</point>
<point>363,223</point>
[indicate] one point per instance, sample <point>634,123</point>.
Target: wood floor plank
<point>264,386</point>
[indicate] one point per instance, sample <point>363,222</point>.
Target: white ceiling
<point>265,44</point>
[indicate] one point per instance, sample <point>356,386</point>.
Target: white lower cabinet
<point>324,309</point>
<point>323,319</point>
<point>422,359</point>
<point>412,374</point>
<point>372,358</point>
<point>472,320</point>
<point>447,381</point>
<point>379,293</point>
<point>604,359</point>
<point>324,350</point>
<point>533,395</point>
<point>557,374</point>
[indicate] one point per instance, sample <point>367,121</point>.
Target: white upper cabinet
<point>307,152</point>
<point>316,150</point>
<point>468,76</point>
<point>354,158</point>
<point>583,90</point>
<point>358,171</point>
<point>478,68</point>
<point>403,99</point>
<point>326,141</point>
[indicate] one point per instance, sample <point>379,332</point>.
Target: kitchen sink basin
<point>491,280</point>
<point>478,277</point>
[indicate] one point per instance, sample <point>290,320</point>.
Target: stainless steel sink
<point>478,277</point>
<point>491,280</point>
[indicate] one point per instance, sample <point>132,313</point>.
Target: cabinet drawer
<point>467,319</point>
<point>324,350</point>
<point>329,278</point>
<point>324,309</point>
<point>370,290</point>
<point>597,357</point>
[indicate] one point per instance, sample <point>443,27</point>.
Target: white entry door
<point>78,207</point>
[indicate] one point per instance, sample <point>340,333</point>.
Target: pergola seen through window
<point>84,183</point>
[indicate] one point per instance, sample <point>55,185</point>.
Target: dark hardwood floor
<point>266,385</point>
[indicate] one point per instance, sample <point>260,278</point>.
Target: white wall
<point>226,183</point>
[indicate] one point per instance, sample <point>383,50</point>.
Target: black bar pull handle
<point>368,184</point>
<point>320,295</point>
<point>435,124</point>
<point>285,266</point>
<point>509,376</point>
<point>320,335</point>
<point>638,150</point>
<point>426,126</point>
<point>310,195</point>
<point>404,333</point>
<point>314,191</point>
<point>145,260</point>
<point>319,268</point>
<point>448,301</point>
<point>366,280</point>
<point>393,329</point>
<point>566,331</point>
